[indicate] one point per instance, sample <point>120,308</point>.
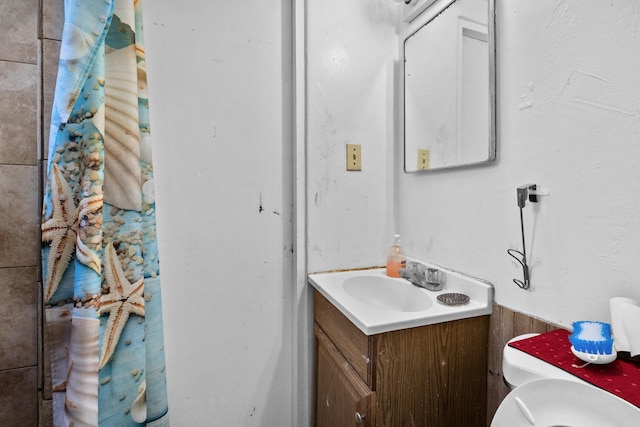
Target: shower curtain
<point>101,281</point>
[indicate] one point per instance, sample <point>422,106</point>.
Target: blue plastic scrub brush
<point>592,342</point>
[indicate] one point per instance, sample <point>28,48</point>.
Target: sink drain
<point>453,299</point>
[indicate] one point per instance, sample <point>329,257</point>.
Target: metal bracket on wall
<point>524,192</point>
<point>416,9</point>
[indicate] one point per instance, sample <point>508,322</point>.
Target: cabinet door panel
<point>354,345</point>
<point>340,392</point>
<point>433,375</point>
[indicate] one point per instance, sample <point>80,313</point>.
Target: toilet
<point>544,395</point>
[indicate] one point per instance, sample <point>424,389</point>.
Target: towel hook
<point>523,192</point>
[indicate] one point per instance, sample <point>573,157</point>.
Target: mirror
<point>449,89</point>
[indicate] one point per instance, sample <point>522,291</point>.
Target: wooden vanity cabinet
<point>432,376</point>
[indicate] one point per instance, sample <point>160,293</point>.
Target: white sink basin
<point>386,293</point>
<point>376,303</point>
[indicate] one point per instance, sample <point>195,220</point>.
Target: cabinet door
<point>342,398</point>
<point>352,343</point>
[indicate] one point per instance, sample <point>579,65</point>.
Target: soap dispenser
<point>396,258</point>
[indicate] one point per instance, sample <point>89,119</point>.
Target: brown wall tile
<point>23,90</point>
<point>52,19</point>
<point>18,317</point>
<point>18,113</point>
<point>45,418</point>
<point>18,26</point>
<point>19,216</point>
<point>19,397</point>
<point>50,53</point>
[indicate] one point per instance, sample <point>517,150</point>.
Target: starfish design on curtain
<point>62,231</point>
<point>124,299</point>
<point>100,190</point>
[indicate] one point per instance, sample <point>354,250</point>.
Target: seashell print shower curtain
<point>101,282</point>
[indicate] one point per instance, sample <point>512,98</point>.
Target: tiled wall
<point>29,46</point>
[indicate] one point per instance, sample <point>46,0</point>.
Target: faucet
<point>419,275</point>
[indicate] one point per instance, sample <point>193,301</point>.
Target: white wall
<point>220,85</point>
<point>351,50</point>
<point>569,120</point>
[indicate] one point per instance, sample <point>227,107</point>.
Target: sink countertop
<point>374,320</point>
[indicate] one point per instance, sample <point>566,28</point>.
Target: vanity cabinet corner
<point>429,376</point>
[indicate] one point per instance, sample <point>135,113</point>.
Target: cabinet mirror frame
<point>412,149</point>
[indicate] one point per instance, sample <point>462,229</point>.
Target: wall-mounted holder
<point>531,192</point>
<point>524,192</point>
<point>417,7</point>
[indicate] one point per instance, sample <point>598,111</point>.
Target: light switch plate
<point>423,159</point>
<point>354,157</point>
